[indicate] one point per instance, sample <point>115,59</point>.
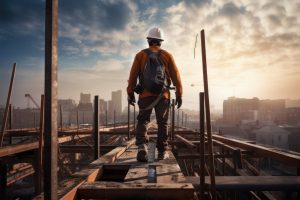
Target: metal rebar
<point>4,121</point>
<point>202,145</point>
<point>96,128</point>
<point>61,117</point>
<point>173,123</point>
<point>178,118</point>
<point>40,150</point>
<point>182,114</point>
<point>50,129</point>
<point>128,118</point>
<point>134,118</point>
<point>208,122</point>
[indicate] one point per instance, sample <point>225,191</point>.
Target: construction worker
<point>148,98</point>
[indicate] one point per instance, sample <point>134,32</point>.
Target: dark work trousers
<point>162,113</point>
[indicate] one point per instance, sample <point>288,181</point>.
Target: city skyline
<point>252,47</point>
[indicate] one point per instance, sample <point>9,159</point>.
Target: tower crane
<point>31,98</point>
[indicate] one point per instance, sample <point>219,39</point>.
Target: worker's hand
<point>178,101</point>
<point>131,99</point>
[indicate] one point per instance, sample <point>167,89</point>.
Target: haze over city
<point>252,46</point>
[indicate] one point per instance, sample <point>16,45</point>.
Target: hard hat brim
<point>155,38</point>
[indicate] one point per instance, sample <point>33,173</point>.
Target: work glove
<point>131,99</point>
<point>178,101</point>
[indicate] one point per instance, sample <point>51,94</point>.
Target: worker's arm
<point>175,76</point>
<point>134,72</point>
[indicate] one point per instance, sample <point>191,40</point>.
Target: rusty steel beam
<point>128,118</point>
<point>202,143</point>
<point>208,122</point>
<point>262,151</point>
<point>172,122</point>
<point>50,129</point>
<point>186,142</point>
<point>39,188</point>
<point>96,128</point>
<point>4,121</point>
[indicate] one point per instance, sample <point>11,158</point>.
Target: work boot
<point>163,155</point>
<point>142,153</point>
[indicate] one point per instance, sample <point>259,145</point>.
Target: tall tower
<point>116,97</point>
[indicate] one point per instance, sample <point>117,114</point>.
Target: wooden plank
<point>255,183</point>
<point>168,171</point>
<point>91,172</point>
<point>116,190</point>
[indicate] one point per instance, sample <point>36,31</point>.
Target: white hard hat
<point>155,33</point>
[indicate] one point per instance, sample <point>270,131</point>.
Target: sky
<point>252,46</point>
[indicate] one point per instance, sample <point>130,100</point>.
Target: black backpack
<point>153,78</point>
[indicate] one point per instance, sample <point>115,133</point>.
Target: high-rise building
<point>102,106</point>
<point>116,97</point>
<point>85,98</point>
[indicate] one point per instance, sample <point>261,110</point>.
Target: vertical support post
<point>10,117</point>
<point>40,150</point>
<point>128,118</point>
<point>3,179</point>
<point>182,114</point>
<point>185,120</point>
<point>7,104</point>
<point>208,125</point>
<point>178,117</point>
<point>114,118</point>
<point>134,118</point>
<point>96,128</point>
<point>61,118</point>
<point>50,129</point>
<point>173,123</point>
<point>202,145</point>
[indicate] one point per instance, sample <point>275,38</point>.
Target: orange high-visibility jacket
<point>171,70</point>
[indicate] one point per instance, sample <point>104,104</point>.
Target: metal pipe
<point>134,122</point>
<point>40,150</point>
<point>178,118</point>
<point>50,130</point>
<point>202,144</point>
<point>173,123</point>
<point>7,104</point>
<point>128,118</point>
<point>208,124</point>
<point>96,128</point>
<point>61,118</point>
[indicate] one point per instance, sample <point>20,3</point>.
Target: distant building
<point>293,115</point>
<point>241,110</point>
<point>110,111</point>
<point>102,106</point>
<point>294,137</point>
<point>68,107</point>
<point>273,135</point>
<point>272,110</point>
<point>116,97</point>
<point>289,103</point>
<point>237,109</point>
<point>85,98</point>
